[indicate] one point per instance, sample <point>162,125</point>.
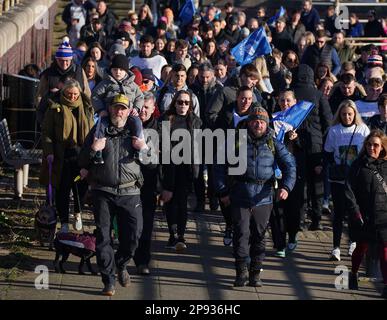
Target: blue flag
<point>187,12</point>
<point>158,82</point>
<point>254,46</point>
<point>290,119</point>
<point>278,15</point>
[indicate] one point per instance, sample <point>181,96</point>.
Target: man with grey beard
<point>204,88</point>
<point>115,188</point>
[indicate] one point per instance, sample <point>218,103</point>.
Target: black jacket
<point>365,194</point>
<point>316,124</point>
<point>204,95</point>
<point>176,176</point>
<point>224,97</point>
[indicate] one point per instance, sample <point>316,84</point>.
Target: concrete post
<point>26,169</point>
<point>19,182</point>
<point>6,5</point>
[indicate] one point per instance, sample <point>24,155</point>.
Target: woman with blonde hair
<point>366,195</point>
<point>145,18</point>
<point>344,142</point>
<point>66,124</point>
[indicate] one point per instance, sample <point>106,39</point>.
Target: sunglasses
<point>182,102</point>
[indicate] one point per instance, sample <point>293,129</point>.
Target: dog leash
<point>49,183</point>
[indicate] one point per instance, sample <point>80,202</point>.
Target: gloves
<point>358,219</point>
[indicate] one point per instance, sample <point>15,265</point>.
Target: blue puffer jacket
<point>255,187</point>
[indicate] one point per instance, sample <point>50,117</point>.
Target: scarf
<point>74,129</point>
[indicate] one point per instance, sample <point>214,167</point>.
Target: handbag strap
<point>381,180</point>
<point>350,143</point>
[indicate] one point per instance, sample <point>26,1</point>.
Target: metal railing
<point>6,5</point>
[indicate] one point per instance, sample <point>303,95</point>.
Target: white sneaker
<point>64,228</point>
<point>78,221</point>
<point>335,255</point>
<point>352,247</point>
<point>325,206</point>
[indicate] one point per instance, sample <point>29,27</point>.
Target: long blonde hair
<point>350,104</point>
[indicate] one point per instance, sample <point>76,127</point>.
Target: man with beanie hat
<point>61,69</point>
<point>251,194</point>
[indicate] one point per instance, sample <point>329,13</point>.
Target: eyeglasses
<point>181,102</point>
<point>320,41</point>
<point>290,60</point>
<point>146,81</point>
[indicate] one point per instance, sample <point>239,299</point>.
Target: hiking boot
<point>353,281</point>
<point>280,254</point>
<point>171,242</point>
<point>255,279</point>
<point>227,238</point>
<point>384,293</point>
<point>242,276</point>
<point>78,222</point>
<point>335,254</point>
<point>143,269</point>
<point>352,247</point>
<point>180,245</point>
<point>124,278</point>
<point>108,290</point>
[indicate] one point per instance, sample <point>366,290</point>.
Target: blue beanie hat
<point>64,51</point>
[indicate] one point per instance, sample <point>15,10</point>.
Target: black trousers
<point>315,187</point>
<point>287,215</point>
<point>143,252</point>
<point>199,185</point>
<point>69,172</point>
<point>250,226</point>
<point>128,210</point>
<point>176,211</point>
<point>339,213</point>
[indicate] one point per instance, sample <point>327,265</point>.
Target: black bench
<point>17,156</point>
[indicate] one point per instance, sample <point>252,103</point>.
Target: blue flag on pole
<point>254,46</point>
<point>290,119</point>
<point>187,12</point>
<point>278,15</point>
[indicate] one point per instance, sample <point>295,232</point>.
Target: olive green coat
<point>57,135</point>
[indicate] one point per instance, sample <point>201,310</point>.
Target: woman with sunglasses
<point>177,178</point>
<point>145,18</point>
<point>366,196</point>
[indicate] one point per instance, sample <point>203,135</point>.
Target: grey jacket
<point>109,87</point>
<point>120,174</point>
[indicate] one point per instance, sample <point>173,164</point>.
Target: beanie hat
<point>64,51</point>
<point>115,49</point>
<point>120,61</point>
<point>375,60</point>
<point>258,113</point>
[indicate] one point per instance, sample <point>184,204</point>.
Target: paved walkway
<point>204,272</point>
